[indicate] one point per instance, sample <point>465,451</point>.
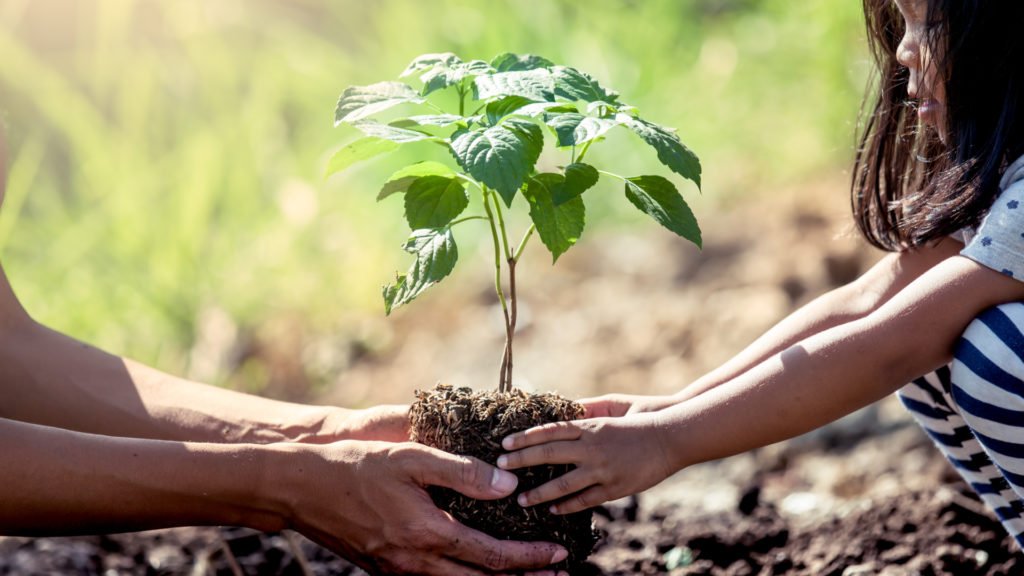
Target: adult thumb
<point>463,474</point>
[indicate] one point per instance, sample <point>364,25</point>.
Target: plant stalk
<point>510,332</point>
<point>504,374</point>
<point>512,323</point>
<point>522,243</point>
<point>586,146</point>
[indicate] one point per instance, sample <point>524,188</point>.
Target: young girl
<point>939,167</point>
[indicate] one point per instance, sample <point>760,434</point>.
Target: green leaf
<point>509,62</point>
<point>447,73</point>
<point>579,178</point>
<point>476,68</point>
<point>436,254</point>
<point>436,119</point>
<point>572,84</point>
<point>671,151</point>
<point>388,132</point>
<point>658,198</point>
<point>428,61</point>
<point>498,109</point>
<point>360,150</point>
<point>559,227</point>
<point>500,157</point>
<point>601,108</point>
<point>401,180</point>
<point>573,128</point>
<point>358,102</point>
<point>536,85</point>
<point>538,108</point>
<point>434,201</point>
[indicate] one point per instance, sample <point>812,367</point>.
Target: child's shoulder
<point>998,242</point>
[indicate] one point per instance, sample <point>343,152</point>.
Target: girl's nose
<point>906,54</point>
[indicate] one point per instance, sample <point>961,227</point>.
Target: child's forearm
<point>829,310</point>
<point>48,378</point>
<point>808,385</point>
<point>61,482</point>
<point>839,306</point>
<point>839,370</point>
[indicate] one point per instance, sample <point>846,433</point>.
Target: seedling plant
<point>496,137</point>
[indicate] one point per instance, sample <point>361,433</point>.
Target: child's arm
<point>810,383</point>
<point>838,306</point>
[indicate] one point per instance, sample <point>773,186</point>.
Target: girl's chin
<point>931,115</point>
<point>927,111</point>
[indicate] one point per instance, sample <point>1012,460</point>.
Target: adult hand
<point>613,457</point>
<point>367,502</point>
<point>617,405</point>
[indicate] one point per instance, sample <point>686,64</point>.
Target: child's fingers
<point>541,434</point>
<point>607,406</point>
<point>589,498</point>
<point>569,483</point>
<point>551,453</point>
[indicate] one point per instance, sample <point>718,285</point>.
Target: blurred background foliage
<point>167,155</point>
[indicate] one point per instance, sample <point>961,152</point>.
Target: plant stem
<point>436,108</point>
<point>467,219</point>
<point>510,317</point>
<point>503,374</point>
<point>462,100</point>
<point>522,244</point>
<point>501,225</point>
<point>583,152</point>
<point>512,323</point>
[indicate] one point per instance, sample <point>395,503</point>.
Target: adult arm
<point>364,500</point>
<point>51,379</point>
<point>839,306</point>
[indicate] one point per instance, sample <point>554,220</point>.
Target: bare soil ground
<point>639,313</point>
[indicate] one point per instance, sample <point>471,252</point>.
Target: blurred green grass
<point>167,155</point>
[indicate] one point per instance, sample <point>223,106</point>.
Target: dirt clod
<point>461,421</point>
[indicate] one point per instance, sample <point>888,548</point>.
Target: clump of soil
<point>464,422</point>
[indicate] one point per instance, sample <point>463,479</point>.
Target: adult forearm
<point>62,482</point>
<point>51,379</point>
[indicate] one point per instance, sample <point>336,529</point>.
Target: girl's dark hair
<point>909,188</point>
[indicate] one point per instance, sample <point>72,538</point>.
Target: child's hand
<point>615,405</point>
<point>614,457</point>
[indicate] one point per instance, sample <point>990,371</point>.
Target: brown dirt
<point>461,421</point>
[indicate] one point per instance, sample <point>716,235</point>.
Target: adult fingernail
<point>502,461</point>
<point>562,554</point>
<point>507,443</point>
<point>503,481</point>
<point>522,500</point>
